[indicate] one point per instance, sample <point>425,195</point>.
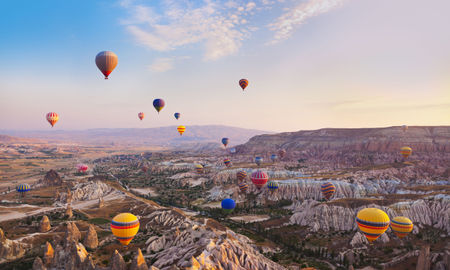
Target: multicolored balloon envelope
<point>258,160</point>
<point>372,222</point>
<point>22,188</point>
<point>241,175</point>
<point>228,205</point>
<point>243,187</point>
<point>243,83</point>
<point>125,226</point>
<point>259,178</point>
<point>328,190</point>
<point>177,115</point>
<point>141,115</point>
<point>158,104</point>
<point>227,162</point>
<point>272,186</point>
<point>401,226</point>
<point>106,61</point>
<point>199,168</point>
<point>225,141</point>
<point>405,151</point>
<point>52,118</point>
<point>181,129</point>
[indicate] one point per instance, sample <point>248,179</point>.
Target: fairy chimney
<point>44,225</point>
<point>91,240</point>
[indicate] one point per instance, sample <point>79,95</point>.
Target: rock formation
<point>101,202</point>
<point>51,179</point>
<point>49,254</point>
<point>38,264</point>
<point>69,213</point>
<point>117,262</point>
<point>423,262</point>
<point>11,249</point>
<point>72,233</point>
<point>91,240</point>
<point>138,262</point>
<point>44,225</point>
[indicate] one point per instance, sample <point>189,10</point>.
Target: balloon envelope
<point>181,129</point>
<point>125,226</point>
<point>82,168</point>
<point>177,115</point>
<point>273,157</point>
<point>52,118</point>
<point>225,141</point>
<point>406,151</point>
<point>258,160</point>
<point>106,61</point>
<point>23,188</point>
<point>372,222</point>
<point>328,190</point>
<point>199,168</point>
<point>243,187</point>
<point>158,104</point>
<point>227,162</point>
<point>259,178</point>
<point>228,205</point>
<point>272,186</point>
<point>141,115</point>
<point>401,226</point>
<point>241,175</point>
<point>243,83</point>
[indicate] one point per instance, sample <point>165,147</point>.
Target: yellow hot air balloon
<point>125,226</point>
<point>404,128</point>
<point>401,226</point>
<point>405,151</point>
<point>181,129</point>
<point>372,222</point>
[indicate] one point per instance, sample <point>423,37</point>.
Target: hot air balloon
<point>227,162</point>
<point>141,115</point>
<point>125,226</point>
<point>272,186</point>
<point>406,151</point>
<point>106,61</point>
<point>181,129</point>
<point>228,205</point>
<point>273,157</point>
<point>328,190</point>
<point>23,188</point>
<point>282,152</point>
<point>199,168</point>
<point>177,115</point>
<point>52,118</point>
<point>243,187</point>
<point>258,160</point>
<point>158,104</point>
<point>243,83</point>
<point>404,128</point>
<point>372,222</point>
<point>259,178</point>
<point>225,141</point>
<point>82,168</point>
<point>241,175</point>
<point>401,226</point>
<point>232,150</point>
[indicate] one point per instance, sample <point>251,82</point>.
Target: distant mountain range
<point>208,136</point>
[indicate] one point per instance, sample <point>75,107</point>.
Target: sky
<point>310,63</point>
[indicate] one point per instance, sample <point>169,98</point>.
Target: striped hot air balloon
<point>372,222</point>
<point>22,188</point>
<point>243,83</point>
<point>106,61</point>
<point>272,186</point>
<point>401,226</point>
<point>181,129</point>
<point>125,226</point>
<point>258,160</point>
<point>52,118</point>
<point>228,205</point>
<point>259,178</point>
<point>158,104</point>
<point>241,175</point>
<point>199,168</point>
<point>227,162</point>
<point>328,190</point>
<point>405,151</point>
<point>243,187</point>
<point>141,115</point>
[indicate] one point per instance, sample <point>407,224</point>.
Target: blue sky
<point>311,63</point>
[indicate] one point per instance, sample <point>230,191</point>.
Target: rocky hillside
<point>389,139</point>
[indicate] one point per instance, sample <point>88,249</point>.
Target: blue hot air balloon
<point>274,157</point>
<point>177,115</point>
<point>258,160</point>
<point>158,104</point>
<point>228,205</point>
<point>225,141</point>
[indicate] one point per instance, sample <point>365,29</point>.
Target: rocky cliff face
<point>86,191</point>
<point>51,179</point>
<point>11,249</point>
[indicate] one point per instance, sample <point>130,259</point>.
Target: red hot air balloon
<point>243,83</point>
<point>141,115</point>
<point>82,168</point>
<point>259,178</point>
<point>52,118</point>
<point>106,61</point>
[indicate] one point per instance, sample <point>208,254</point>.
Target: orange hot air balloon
<point>181,129</point>
<point>406,151</point>
<point>52,118</point>
<point>106,61</point>
<point>141,115</point>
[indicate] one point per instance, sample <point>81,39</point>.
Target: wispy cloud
<point>285,25</point>
<point>162,64</point>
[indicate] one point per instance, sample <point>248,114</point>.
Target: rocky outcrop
<point>91,240</point>
<point>117,262</point>
<point>11,249</point>
<point>72,233</point>
<point>101,202</point>
<point>49,254</point>
<point>91,191</point>
<point>423,262</point>
<point>138,262</point>
<point>51,179</point>
<point>38,264</point>
<point>69,213</point>
<point>44,225</point>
